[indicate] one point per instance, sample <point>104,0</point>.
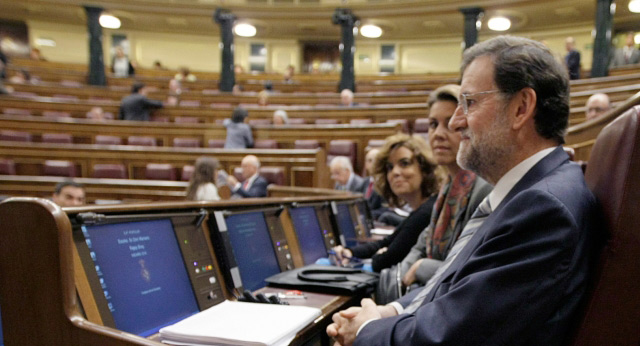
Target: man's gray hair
<point>342,161</point>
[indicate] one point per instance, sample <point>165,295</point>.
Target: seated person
<point>239,134</point>
<point>377,204</point>
<point>597,105</point>
<point>458,198</point>
<point>184,75</point>
<point>202,185</point>
<point>342,173</point>
<point>69,194</point>
<point>280,117</point>
<point>263,98</point>
<point>254,185</point>
<point>404,174</point>
<point>21,76</point>
<point>35,54</point>
<point>289,73</point>
<point>518,273</point>
<point>96,113</point>
<point>346,98</point>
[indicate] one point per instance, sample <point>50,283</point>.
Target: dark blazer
<point>572,60</point>
<point>520,278</point>
<point>377,203</point>
<point>357,184</point>
<point>137,107</point>
<point>257,189</point>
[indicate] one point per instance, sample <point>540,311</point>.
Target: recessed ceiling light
<point>634,6</point>
<point>636,39</point>
<point>245,30</point>
<point>371,31</point>
<point>499,24</point>
<point>109,21</point>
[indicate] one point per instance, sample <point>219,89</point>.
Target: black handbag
<point>390,286</point>
<point>326,279</point>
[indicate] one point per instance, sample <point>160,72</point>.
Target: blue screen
<point>1,337</point>
<point>253,249</point>
<point>345,224</point>
<point>142,274</point>
<point>305,222</point>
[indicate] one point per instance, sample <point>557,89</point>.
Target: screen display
<point>345,224</point>
<point>252,248</point>
<point>310,236</point>
<point>1,337</point>
<point>142,274</point>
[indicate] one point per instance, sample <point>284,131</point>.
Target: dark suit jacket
<point>137,107</point>
<point>572,60</point>
<point>257,189</point>
<point>357,184</point>
<point>376,203</point>
<point>520,278</point>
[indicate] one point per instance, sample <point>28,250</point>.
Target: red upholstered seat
<point>187,172</point>
<point>56,114</point>
<point>190,103</point>
<point>306,144</point>
<point>142,140</point>
<point>160,171</point>
<point>342,147</point>
<point>274,175</point>
<point>254,122</point>
<point>16,111</point>
<point>159,119</point>
<point>59,168</point>
<point>15,136</point>
<point>7,167</point>
<point>359,121</point>
<point>114,171</point>
<point>108,140</point>
<point>265,144</point>
<point>612,314</point>
<point>57,138</point>
<point>187,142</point>
<point>70,83</point>
<point>375,143</point>
<point>421,125</point>
<point>216,143</point>
<point>65,97</point>
<point>187,120</point>
<point>296,121</point>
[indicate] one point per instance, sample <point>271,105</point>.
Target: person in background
<point>263,98</point>
<point>69,194</point>
<point>239,134</point>
<point>597,105</point>
<point>96,113</point>
<point>346,98</point>
<point>627,55</point>
<point>4,60</point>
<point>184,75</point>
<point>280,117</point>
<point>202,185</point>
<point>121,66</point>
<point>572,59</point>
<point>35,54</point>
<point>289,73</point>
<point>458,198</point>
<point>254,185</point>
<point>157,65</point>
<point>237,89</point>
<point>377,204</point>
<point>21,76</point>
<point>238,69</point>
<point>137,106</point>
<point>342,173</point>
<point>404,174</point>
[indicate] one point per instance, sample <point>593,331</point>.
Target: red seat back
<point>142,140</point>
<point>160,171</point>
<point>113,171</point>
<point>59,168</point>
<point>57,138</point>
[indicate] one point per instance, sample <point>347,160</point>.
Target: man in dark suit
<point>253,185</point>
<point>518,271</point>
<point>342,173</point>
<point>572,59</point>
<point>137,106</point>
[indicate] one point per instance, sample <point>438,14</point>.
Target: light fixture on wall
<point>371,31</point>
<point>634,6</point>
<point>636,39</point>
<point>245,30</point>
<point>499,23</point>
<point>109,21</point>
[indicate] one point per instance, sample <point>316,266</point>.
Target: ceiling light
<point>45,42</point>
<point>245,30</point>
<point>371,31</point>
<point>636,39</point>
<point>499,24</point>
<point>110,22</point>
<point>634,6</point>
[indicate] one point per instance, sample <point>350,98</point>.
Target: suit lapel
<point>537,172</point>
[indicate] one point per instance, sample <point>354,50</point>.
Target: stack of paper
<point>233,323</point>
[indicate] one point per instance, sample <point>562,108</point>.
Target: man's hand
<point>343,255</point>
<point>410,276</point>
<point>347,322</point>
<point>232,181</point>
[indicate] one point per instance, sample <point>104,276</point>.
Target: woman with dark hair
<point>239,134</point>
<point>202,186</point>
<point>405,174</point>
<point>458,198</point>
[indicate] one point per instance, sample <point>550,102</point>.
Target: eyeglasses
<point>465,102</point>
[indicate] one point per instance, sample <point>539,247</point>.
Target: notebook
<point>233,323</point>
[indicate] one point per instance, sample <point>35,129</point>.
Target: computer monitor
<point>1,337</point>
<point>252,248</point>
<point>310,235</point>
<point>143,277</point>
<point>345,224</point>
<point>364,217</point>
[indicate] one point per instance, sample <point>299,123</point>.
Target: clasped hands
<point>346,323</point>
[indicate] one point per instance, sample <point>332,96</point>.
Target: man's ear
<point>526,107</point>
